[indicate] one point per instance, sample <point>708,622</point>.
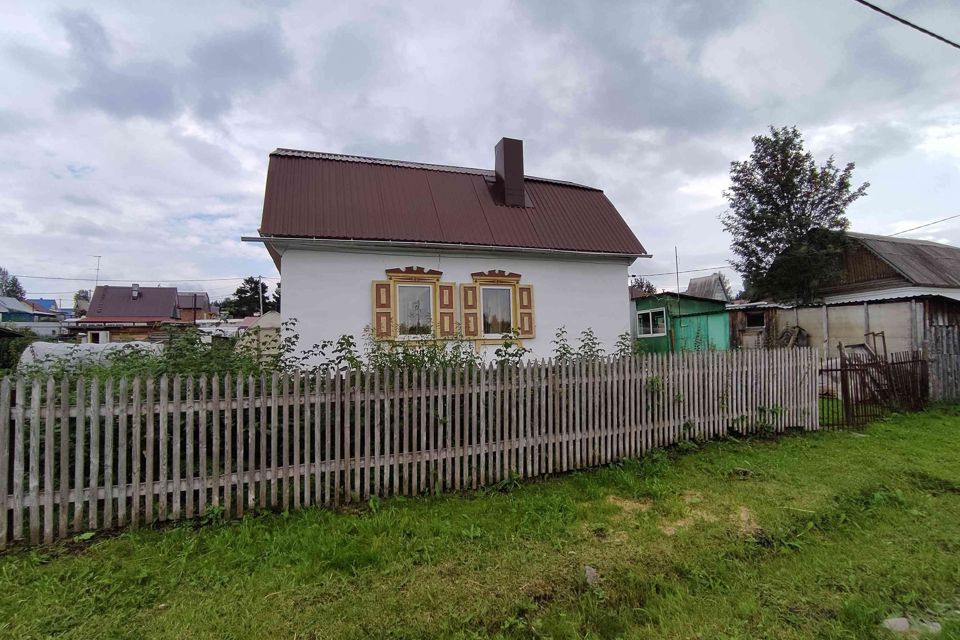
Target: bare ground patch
<point>631,506</point>
<point>745,522</point>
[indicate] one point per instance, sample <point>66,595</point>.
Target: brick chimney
<point>509,169</point>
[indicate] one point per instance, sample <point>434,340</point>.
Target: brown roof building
<point>410,249</point>
<point>130,313</point>
<point>194,305</point>
<point>341,197</point>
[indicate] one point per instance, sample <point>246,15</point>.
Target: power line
<point>670,273</point>
<point>908,23</point>
<point>925,225</point>
<point>141,279</point>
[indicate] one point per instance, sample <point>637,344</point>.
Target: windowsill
<point>653,335</point>
<point>416,338</point>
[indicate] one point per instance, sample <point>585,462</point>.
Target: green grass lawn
<point>815,535</point>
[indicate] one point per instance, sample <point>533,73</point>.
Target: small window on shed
<point>652,323</point>
<point>756,320</point>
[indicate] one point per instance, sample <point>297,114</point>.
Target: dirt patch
<point>691,497</point>
<point>745,522</point>
<point>694,516</point>
<point>631,506</point>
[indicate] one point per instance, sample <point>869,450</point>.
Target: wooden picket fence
<point>85,455</point>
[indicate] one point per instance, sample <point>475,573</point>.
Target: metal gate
<point>856,388</point>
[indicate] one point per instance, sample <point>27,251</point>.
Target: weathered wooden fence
<point>81,455</point>
<point>942,349</point>
<point>857,388</point>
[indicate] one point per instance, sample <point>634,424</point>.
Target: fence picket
<point>176,443</point>
<point>109,488</point>
<point>63,515</point>
<point>251,442</point>
<point>202,446</point>
<point>94,475</point>
<point>33,460</point>
<point>215,441</point>
<point>123,399</point>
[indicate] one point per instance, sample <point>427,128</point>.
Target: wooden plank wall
<point>942,351</point>
<point>84,455</point>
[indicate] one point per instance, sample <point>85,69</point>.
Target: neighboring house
<point>261,334</point>
<point>709,287</point>
<point>665,322</point>
<point>120,314</point>
<point>412,250</point>
<point>889,292</point>
<point>23,316</point>
<point>194,305</point>
<point>13,310</point>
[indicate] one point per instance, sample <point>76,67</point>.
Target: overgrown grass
<point>816,535</point>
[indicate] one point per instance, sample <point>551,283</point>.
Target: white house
<point>414,249</point>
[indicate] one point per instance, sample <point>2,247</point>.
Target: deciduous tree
<point>787,217</point>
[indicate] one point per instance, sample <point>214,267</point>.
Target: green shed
<point>666,322</point>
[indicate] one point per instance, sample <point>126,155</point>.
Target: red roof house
<point>131,312</point>
<point>410,248</point>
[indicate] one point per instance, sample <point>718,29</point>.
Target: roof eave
<point>306,242</point>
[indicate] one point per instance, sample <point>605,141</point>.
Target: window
<point>652,323</point>
<point>756,320</point>
<point>415,309</point>
<point>497,308</point>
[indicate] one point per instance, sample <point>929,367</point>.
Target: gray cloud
<point>220,69</point>
<point>124,91</point>
<point>236,62</point>
<point>11,121</point>
<point>353,54</point>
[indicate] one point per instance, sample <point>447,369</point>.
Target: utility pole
<point>260,291</point>
<point>676,263</point>
<point>97,281</point>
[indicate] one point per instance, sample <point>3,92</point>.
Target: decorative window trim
<point>650,312</point>
<point>521,306</point>
<point>386,298</point>
<point>495,276</point>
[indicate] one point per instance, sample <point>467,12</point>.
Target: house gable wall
<point>329,291</point>
<point>863,271</point>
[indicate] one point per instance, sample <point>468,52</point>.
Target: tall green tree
<point>245,301</point>
<point>10,286</point>
<point>276,297</point>
<point>81,300</point>
<point>787,217</point>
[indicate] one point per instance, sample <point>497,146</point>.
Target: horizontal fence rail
<point>84,454</point>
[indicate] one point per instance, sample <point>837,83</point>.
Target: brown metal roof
<point>153,304</point>
<point>322,195</point>
<point>922,262</point>
<point>193,300</point>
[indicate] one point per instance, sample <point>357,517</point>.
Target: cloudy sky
<point>140,131</point>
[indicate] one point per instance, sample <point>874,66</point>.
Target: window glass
<point>659,321</point>
<point>755,320</point>
<point>414,310</point>
<point>652,323</point>
<point>643,324</point>
<point>497,305</point>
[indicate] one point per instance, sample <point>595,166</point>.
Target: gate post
<point>845,395</point>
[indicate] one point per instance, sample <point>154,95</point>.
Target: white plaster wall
<point>329,291</point>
